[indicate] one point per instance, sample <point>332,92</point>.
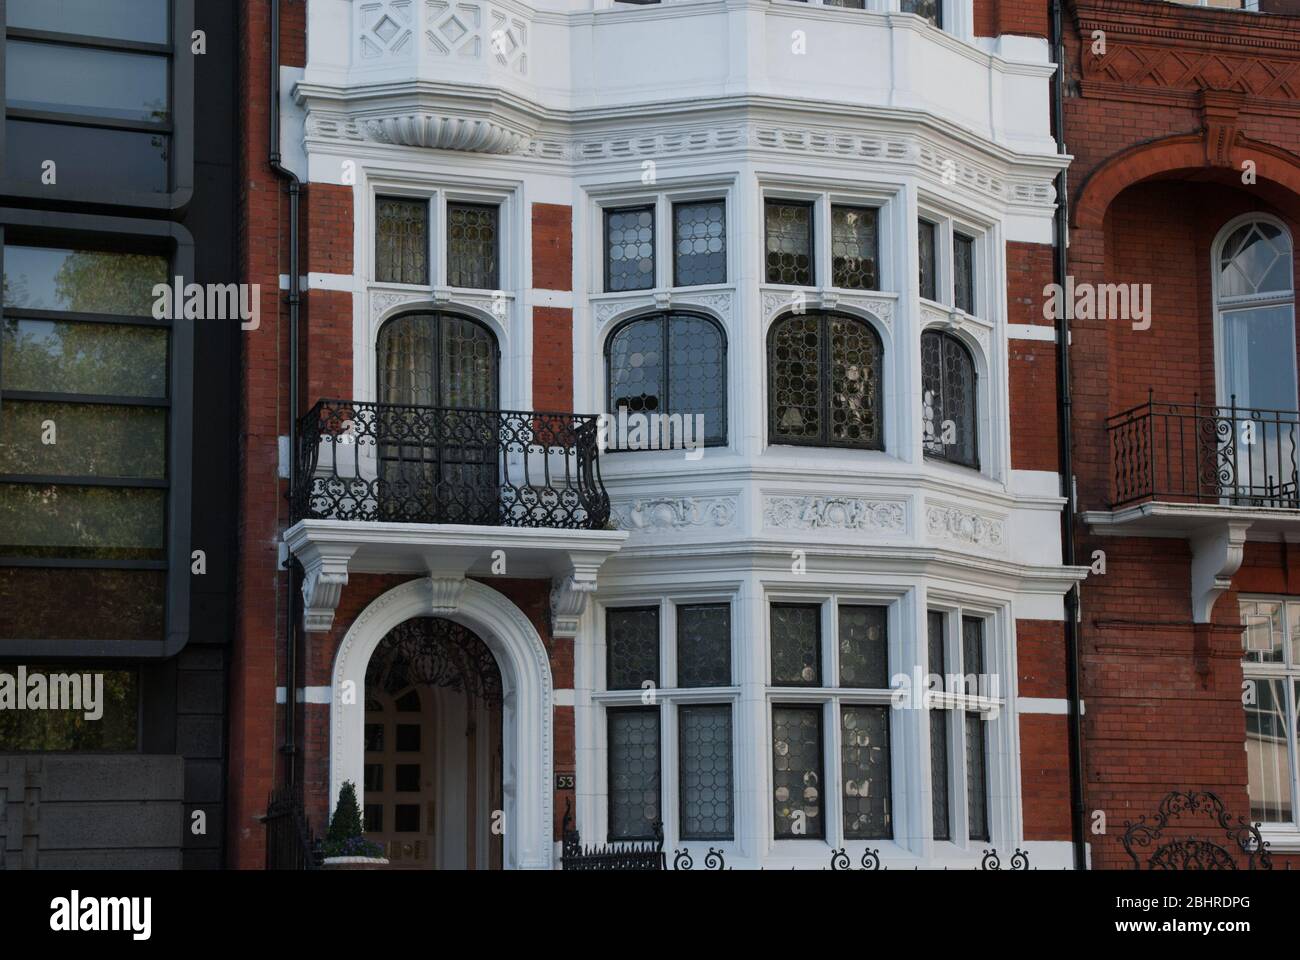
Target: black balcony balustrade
<point>412,464</point>
<point>1197,453</point>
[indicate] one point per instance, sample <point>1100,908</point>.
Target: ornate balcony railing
<point>412,464</point>
<point>1195,453</point>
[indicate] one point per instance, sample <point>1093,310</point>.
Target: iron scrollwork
<point>1195,853</point>
<point>431,651</point>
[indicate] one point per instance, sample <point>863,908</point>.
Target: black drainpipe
<point>290,748</point>
<point>1060,269</point>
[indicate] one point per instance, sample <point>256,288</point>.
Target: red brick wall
<point>996,17</point>
<point>552,359</point>
<point>552,246</point>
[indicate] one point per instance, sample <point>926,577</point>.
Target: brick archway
<point>1203,156</point>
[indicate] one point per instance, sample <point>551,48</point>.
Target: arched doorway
<point>527,708</point>
<point>432,774</point>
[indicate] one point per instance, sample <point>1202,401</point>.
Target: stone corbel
<point>325,574</point>
<point>828,299</point>
<point>445,595</point>
<point>664,299</point>
<point>1216,556</point>
<point>569,598</point>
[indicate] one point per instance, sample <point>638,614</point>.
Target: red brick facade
<point>1160,126</point>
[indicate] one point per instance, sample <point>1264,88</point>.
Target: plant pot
<point>355,863</point>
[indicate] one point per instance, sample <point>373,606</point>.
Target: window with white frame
<point>675,735</point>
<point>959,705</point>
<point>1270,660</point>
<point>807,242</point>
<point>949,399</point>
<point>469,256</point>
<point>636,257</point>
<point>845,682</point>
<point>948,263</point>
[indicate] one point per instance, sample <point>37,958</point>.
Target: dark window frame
<point>819,681</point>
<point>811,206</point>
<point>726,252</point>
<point>938,15</point>
<point>606,212</point>
<point>429,270</point>
<point>446,240</point>
<point>943,413</point>
<point>440,314</point>
<point>677,652</point>
<point>70,230</point>
<point>729,707</point>
<point>179,129</point>
<point>825,383</point>
<point>664,317</point>
<point>889,769</point>
<point>820,711</point>
<point>610,713</point>
<point>875,229</point>
<point>659,653</point>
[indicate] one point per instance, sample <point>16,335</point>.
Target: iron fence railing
<point>1196,453</point>
<point>405,463</point>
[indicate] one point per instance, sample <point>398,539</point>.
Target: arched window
<point>438,465</point>
<point>670,363</point>
<point>1256,364</point>
<point>437,359</point>
<point>824,381</point>
<point>949,399</point>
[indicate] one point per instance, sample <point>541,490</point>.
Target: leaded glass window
<point>789,242</point>
<point>864,647</point>
<point>472,246</point>
<point>963,273</point>
<point>949,400</point>
<point>938,666</point>
<point>972,647</point>
<point>976,777</point>
<point>796,645</point>
<point>927,249</point>
<point>629,249</point>
<point>402,240</point>
<point>437,360</point>
<point>824,376</point>
<point>631,647</point>
<point>864,762</point>
<point>670,363</point>
<point>704,645</point>
<point>931,10</point>
<point>699,243</point>
<point>633,772</point>
<point>854,248</point>
<point>705,771</point>
<point>797,772</point>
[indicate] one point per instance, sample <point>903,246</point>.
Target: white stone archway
<point>526,728</point>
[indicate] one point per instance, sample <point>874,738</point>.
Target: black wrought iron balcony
<point>1195,453</point>
<point>398,463</point>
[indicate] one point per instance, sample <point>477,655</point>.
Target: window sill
<point>1281,840</point>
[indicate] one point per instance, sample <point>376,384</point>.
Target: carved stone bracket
<point>325,574</point>
<point>569,598</point>
<point>446,594</point>
<point>1216,556</point>
<point>1219,109</point>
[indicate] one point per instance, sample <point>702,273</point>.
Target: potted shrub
<point>345,846</point>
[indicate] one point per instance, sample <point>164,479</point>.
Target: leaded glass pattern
<point>631,647</point>
<point>948,399</point>
<point>401,240</point>
<point>972,646</point>
<point>854,248</point>
<point>931,10</point>
<point>864,763</point>
<point>704,645</point>
<point>705,771</point>
<point>633,772</point>
<point>789,242</point>
<point>797,772</point>
<point>927,247</point>
<point>864,647</point>
<point>699,243</point>
<point>824,372</point>
<point>629,249</point>
<point>692,383</point>
<point>472,246</point>
<point>437,360</point>
<point>1256,259</point>
<point>939,774</point>
<point>963,273</point>
<point>976,777</point>
<point>855,361</point>
<point>796,645</point>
